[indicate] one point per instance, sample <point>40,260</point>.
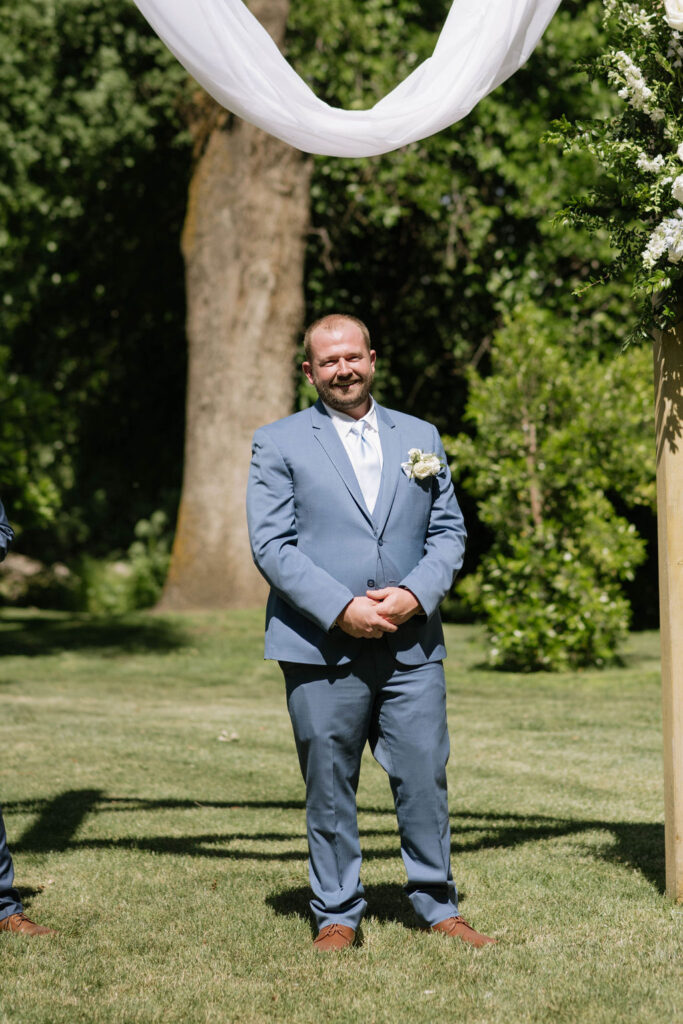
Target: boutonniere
<point>422,464</point>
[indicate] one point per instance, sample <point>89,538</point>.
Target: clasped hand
<point>380,611</point>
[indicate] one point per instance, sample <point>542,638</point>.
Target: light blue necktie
<point>366,464</point>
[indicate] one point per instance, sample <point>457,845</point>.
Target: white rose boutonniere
<point>674,13</point>
<point>421,465</point>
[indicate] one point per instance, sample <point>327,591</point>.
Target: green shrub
<point>105,586</point>
<point>547,609</point>
<point>557,433</point>
<point>148,557</point>
<point>116,586</point>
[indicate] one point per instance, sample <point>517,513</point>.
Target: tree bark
<point>243,244</point>
<point>668,358</point>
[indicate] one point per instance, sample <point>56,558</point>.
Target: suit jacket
<point>318,546</point>
<point>6,533</point>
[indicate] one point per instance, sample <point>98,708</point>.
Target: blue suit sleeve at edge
<point>6,533</point>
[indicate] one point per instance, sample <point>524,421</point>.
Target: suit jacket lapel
<point>326,435</point>
<point>391,465</point>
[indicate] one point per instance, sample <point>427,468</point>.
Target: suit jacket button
<point>380,542</point>
<point>371,583</point>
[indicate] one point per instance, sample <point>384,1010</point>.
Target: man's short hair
<point>328,323</point>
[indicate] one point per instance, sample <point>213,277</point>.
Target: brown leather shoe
<point>333,937</point>
<point>20,923</point>
<point>457,927</point>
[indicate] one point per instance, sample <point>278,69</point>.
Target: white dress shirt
<point>344,425</point>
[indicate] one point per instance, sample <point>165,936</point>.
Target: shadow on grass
<point>637,845</point>
<point>27,894</point>
<point>40,635</point>
<point>386,902</point>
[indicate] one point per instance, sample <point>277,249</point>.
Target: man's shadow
<point>386,902</point>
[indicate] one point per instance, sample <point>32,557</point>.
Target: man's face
<point>341,368</point>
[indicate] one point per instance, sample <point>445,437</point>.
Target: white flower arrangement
<point>421,465</point>
<point>640,148</point>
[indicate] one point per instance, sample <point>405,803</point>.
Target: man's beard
<point>342,399</point>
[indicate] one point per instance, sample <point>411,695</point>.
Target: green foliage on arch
<point>635,195</point>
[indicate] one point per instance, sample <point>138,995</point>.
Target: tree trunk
<point>243,244</point>
<point>668,355</point>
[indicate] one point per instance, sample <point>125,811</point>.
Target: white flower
<point>674,13</point>
<point>630,15</point>
<point>675,50</point>
<point>644,163</point>
<point>667,238</point>
<point>634,89</point>
<point>679,152</point>
<point>421,464</point>
<point>429,466</point>
<point>677,188</point>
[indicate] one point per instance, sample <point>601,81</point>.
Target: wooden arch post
<point>668,359</point>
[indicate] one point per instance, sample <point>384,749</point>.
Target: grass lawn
<point>155,811</point>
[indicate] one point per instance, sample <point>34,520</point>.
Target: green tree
<point>34,469</point>
<point>558,435</point>
<point>93,171</point>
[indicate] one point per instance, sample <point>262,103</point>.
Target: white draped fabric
<point>227,50</point>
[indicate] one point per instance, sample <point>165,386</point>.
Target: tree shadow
<point>35,636</point>
<point>635,845</point>
<point>669,395</point>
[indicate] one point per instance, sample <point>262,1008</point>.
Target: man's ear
<point>306,367</point>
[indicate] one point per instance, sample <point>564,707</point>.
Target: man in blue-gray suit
<point>12,916</point>
<point>355,526</point>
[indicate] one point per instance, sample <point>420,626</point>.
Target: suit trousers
<point>401,711</point>
<point>9,897</point>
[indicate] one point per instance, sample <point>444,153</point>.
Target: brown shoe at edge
<point>23,926</point>
<point>458,928</point>
<point>333,937</point>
